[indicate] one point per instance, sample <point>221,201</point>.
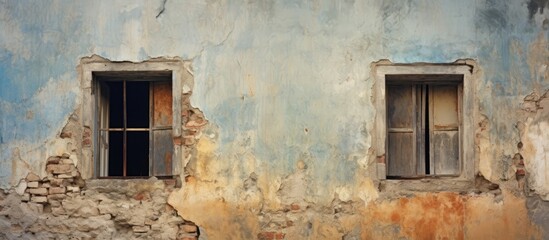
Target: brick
<point>53,160</point>
<point>57,182</point>
<point>59,168</point>
<point>32,184</point>
<point>46,185</point>
<point>521,172</point>
<point>141,229</point>
<point>65,155</point>
<point>31,177</point>
<point>64,176</point>
<point>57,190</point>
<point>38,191</point>
<point>39,199</point>
<point>189,228</point>
<point>73,189</point>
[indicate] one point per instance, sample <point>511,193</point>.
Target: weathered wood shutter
<point>401,130</point>
<point>161,147</point>
<point>444,129</point>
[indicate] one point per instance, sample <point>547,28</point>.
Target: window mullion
<point>125,134</point>
<point>151,125</point>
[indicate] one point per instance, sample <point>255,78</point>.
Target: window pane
<point>137,154</point>
<point>137,104</point>
<point>116,153</point>
<point>116,104</point>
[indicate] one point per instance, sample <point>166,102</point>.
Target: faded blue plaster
<point>264,70</point>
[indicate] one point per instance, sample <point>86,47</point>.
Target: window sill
<point>432,184</point>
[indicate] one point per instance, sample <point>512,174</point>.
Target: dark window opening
<point>135,125</point>
<point>423,125</point>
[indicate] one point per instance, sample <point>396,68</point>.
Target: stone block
<point>57,190</point>
<point>46,185</point>
<point>39,199</point>
<point>141,229</point>
<point>59,168</point>
<point>38,191</point>
<point>73,189</point>
<point>32,184</point>
<point>31,177</point>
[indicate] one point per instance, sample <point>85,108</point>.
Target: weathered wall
<point>286,89</point>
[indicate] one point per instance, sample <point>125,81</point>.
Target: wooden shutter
<point>161,130</point>
<point>401,130</point>
<point>444,129</point>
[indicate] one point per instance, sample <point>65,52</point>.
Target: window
<point>132,117</point>
<point>424,125</point>
<point>135,123</point>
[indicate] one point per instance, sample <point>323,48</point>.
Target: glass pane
<point>137,104</point>
<point>138,154</point>
<point>116,104</point>
<point>116,153</point>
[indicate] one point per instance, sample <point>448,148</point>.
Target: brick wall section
<point>62,205</point>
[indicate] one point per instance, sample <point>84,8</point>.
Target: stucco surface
<point>286,89</point>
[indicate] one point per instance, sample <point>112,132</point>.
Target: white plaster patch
<point>536,156</point>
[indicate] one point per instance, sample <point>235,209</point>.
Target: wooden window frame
<point>464,179</point>
<point>153,79</point>
<point>182,82</point>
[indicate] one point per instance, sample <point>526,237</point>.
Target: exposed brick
<point>521,172</point>
<point>189,228</point>
<point>65,155</point>
<point>39,199</point>
<point>53,160</point>
<point>32,184</point>
<point>38,191</point>
<point>59,168</point>
<point>73,189</point>
<point>141,229</point>
<point>57,182</point>
<point>66,161</point>
<point>31,177</point>
<point>65,176</point>
<point>57,190</point>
